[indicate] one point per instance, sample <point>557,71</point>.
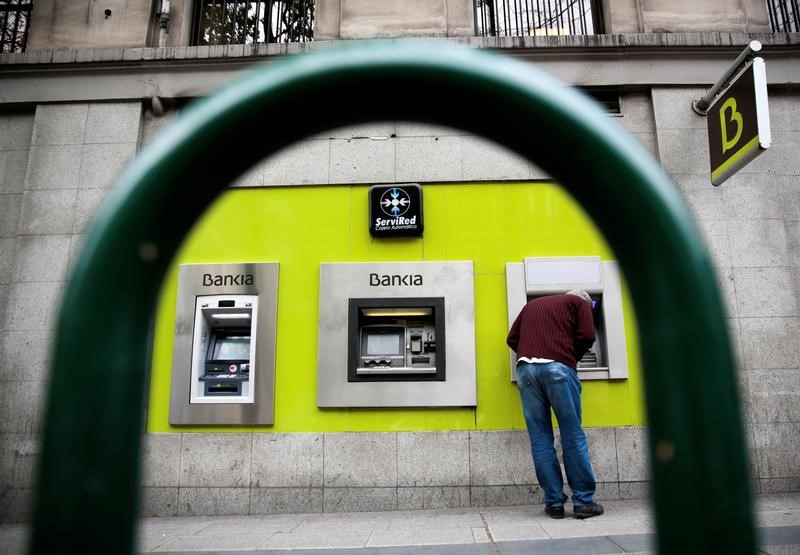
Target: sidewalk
<point>626,527</point>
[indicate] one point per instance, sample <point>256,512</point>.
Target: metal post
<point>701,105</point>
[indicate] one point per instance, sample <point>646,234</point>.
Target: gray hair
<point>580,293</point>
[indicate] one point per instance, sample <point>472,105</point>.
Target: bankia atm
<point>536,277</point>
<point>223,369</point>
<point>396,334</point>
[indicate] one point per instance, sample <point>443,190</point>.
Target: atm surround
<point>537,277</point>
<point>223,369</point>
<point>382,330</point>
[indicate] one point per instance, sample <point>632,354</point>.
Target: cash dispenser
<point>396,334</point>
<point>222,348</point>
<point>395,339</point>
<point>223,360</point>
<point>536,277</point>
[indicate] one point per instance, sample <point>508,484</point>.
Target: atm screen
<point>232,347</point>
<point>384,343</point>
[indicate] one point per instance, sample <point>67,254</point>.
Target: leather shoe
<point>587,511</point>
<point>555,511</point>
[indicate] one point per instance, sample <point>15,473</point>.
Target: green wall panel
<point>300,227</point>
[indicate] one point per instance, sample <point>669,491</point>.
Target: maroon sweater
<point>558,327</point>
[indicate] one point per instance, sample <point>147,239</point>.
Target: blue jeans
<point>556,385</point>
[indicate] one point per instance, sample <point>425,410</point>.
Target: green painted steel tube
<point>88,476</point>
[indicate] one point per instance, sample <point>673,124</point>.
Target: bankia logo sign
<point>395,210</point>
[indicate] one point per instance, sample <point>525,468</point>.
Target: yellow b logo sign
<point>736,117</point>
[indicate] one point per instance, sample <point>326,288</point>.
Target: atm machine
<point>535,277</point>
<point>223,365</point>
<point>396,334</point>
<point>223,350</point>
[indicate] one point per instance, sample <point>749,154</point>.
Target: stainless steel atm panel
<point>396,334</point>
<point>223,366</point>
<point>535,277</point>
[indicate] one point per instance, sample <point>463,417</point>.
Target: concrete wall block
<point>779,159</point>
<point>770,343</point>
<point>59,124</point>
<point>672,108</point>
<point>41,257</point>
<point>778,485</point>
<point>161,461</point>
<point>75,247</point>
<point>213,501</point>
<point>16,129</point>
<point>433,459</point>
<point>86,206</point>
<point>158,502</point>
<point>429,159</point>
<point>24,354</point>
<point>758,243</point>
<point>13,165</point>
<point>603,452</point>
<point>503,496</point>
<point>773,396</point>
<point>776,449</point>
<point>784,110</point>
<point>20,407</point>
<point>649,142</point>
<point>346,466</point>
<point>485,160</point>
<point>16,505</point>
<point>416,498</point>
<point>305,163</point>
<point>362,161</point>
<point>53,167</point>
<point>285,500</point>
<point>5,290</point>
<point>637,113</point>
<point>684,151</point>
<point>113,122</point>
<point>30,306</point>
<point>254,177</point>
<point>101,164</point>
<point>47,212</point>
<point>10,212</point>
<point>751,197</point>
<point>215,460</point>
<point>632,453</point>
<point>766,292</point>
<point>18,455</point>
<point>704,201</point>
<point>606,491</point>
<point>287,460</point>
<point>715,235</point>
<point>792,233</point>
<point>359,499</point>
<point>362,19</point>
<point>8,254</point>
<point>500,458</point>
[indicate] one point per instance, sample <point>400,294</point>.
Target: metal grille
<point>784,16</point>
<point>243,22</point>
<point>15,17</point>
<point>516,18</point>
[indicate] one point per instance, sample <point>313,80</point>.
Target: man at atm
<point>550,335</point>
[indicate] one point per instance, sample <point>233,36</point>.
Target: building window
<point>244,22</point>
<point>784,15</point>
<point>517,18</point>
<point>15,16</point>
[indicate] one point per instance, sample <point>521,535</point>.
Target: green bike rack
<point>87,489</point>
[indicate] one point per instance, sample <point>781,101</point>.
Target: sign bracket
<point>701,105</point>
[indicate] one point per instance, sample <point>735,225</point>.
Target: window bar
<point>491,17</point>
<point>575,21</point>
<point>3,34</point>
<point>528,16</point>
<point>26,28</point>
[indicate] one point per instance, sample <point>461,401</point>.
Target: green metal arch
<point>88,475</point>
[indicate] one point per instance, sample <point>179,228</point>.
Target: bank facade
<point>377,363</point>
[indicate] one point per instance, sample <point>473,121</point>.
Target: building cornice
<point>589,60</point>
